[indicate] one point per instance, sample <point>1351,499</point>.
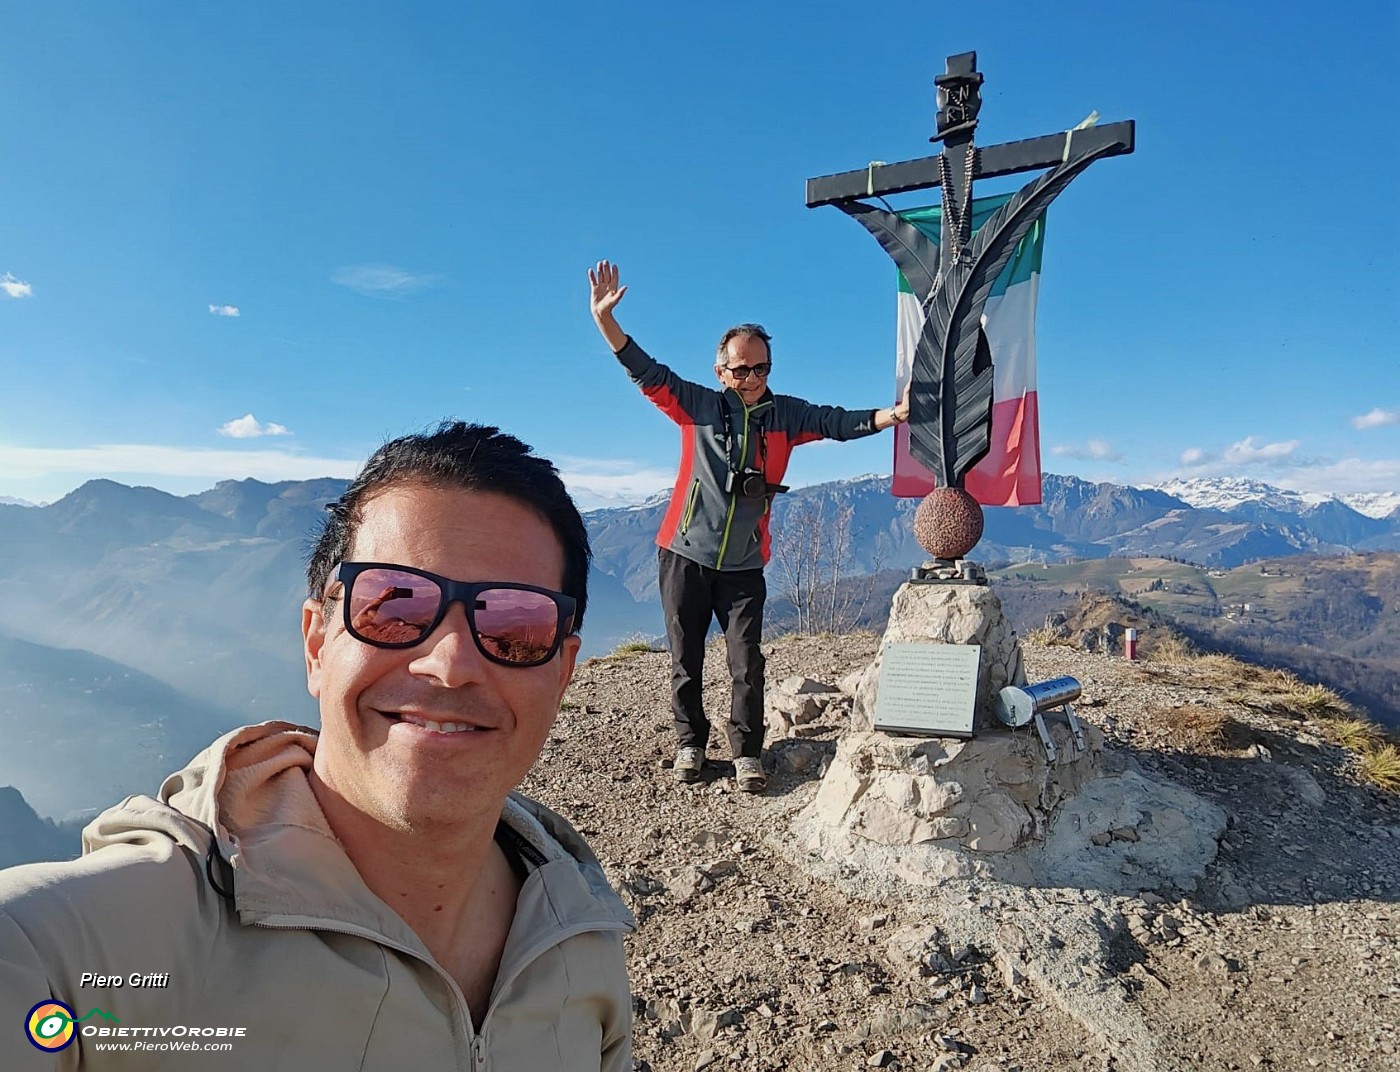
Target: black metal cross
<point>951,393</point>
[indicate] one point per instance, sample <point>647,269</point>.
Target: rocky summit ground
<point>752,954</point>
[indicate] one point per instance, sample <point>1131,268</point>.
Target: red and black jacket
<point>709,519</point>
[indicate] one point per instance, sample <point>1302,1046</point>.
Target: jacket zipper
<point>724,540</point>
<point>476,1036</point>
<point>734,496</point>
<point>734,493</point>
<point>504,983</point>
<point>690,506</point>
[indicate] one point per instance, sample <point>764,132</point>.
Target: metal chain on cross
<point>965,222</point>
<point>959,216</point>
<point>950,207</point>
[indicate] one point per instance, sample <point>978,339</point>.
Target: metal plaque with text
<point>928,689</point>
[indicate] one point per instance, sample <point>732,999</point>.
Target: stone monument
<point>934,807</point>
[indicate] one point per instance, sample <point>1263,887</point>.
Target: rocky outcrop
<point>25,837</point>
<point>947,614</point>
<point>802,707</point>
<point>931,809</point>
<point>992,794</point>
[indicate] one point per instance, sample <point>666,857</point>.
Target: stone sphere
<point>948,523</point>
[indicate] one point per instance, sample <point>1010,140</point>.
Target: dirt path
<point>1285,956</point>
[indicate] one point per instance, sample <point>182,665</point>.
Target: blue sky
<point>400,202</point>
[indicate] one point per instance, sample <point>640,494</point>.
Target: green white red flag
<point>1010,473</point>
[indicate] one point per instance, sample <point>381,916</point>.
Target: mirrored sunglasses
<point>391,606</point>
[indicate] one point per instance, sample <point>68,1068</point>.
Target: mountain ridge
<point>1225,493</point>
<point>203,593</point>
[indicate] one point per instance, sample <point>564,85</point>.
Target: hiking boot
<point>748,772</point>
<point>688,763</point>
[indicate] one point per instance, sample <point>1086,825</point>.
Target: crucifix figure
<point>950,396</point>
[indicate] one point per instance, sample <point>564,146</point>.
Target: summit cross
<point>951,387</point>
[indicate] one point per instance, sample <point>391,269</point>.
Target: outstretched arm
<point>806,422</point>
<point>603,298</point>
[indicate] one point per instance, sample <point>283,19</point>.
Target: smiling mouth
<point>430,725</point>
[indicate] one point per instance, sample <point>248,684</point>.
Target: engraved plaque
<point>928,689</point>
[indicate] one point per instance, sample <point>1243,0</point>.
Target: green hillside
<point>1333,618</point>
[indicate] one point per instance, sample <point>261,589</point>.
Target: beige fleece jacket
<point>263,940</point>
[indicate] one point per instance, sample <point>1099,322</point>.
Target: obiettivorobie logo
<point>52,1025</point>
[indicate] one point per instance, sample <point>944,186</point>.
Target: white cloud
<point>248,427</point>
<point>1285,468</point>
<point>1093,450</point>
<point>597,483</point>
<point>1272,455</point>
<point>1350,476</point>
<point>380,280</point>
<point>1246,454</point>
<point>1377,418</point>
<point>225,310</point>
<point>14,288</point>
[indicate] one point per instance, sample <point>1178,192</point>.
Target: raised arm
<point>603,298</point>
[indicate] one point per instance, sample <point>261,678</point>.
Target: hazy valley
<point>140,624</point>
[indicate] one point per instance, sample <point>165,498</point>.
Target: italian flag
<point>1010,473</point>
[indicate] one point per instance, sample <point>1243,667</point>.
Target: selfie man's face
<point>371,752</point>
<point>745,352</point>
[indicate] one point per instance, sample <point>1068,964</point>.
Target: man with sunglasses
<point>714,540</point>
<point>375,895</point>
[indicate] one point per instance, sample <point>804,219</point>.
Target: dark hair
<point>743,331</point>
<point>473,457</point>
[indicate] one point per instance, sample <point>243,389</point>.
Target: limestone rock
<point>1177,836</point>
<point>795,702</point>
<point>1303,785</point>
<point>948,614</point>
<point>797,757</point>
<point>991,794</point>
<point>933,809</point>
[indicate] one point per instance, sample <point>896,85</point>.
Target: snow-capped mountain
<point>6,500</point>
<point>1374,503</point>
<point>1230,493</point>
